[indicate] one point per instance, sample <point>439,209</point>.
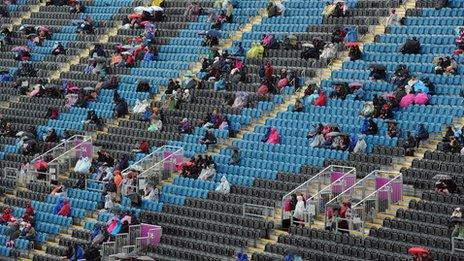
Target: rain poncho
<point>241,100</point>
<point>274,137</point>
<point>224,186</point>
<point>83,166</point>
<point>351,34</point>
<point>58,206</point>
<point>108,202</point>
<point>299,208</point>
<point>207,173</point>
<point>255,52</point>
<point>361,145</point>
<point>311,98</point>
<point>65,209</point>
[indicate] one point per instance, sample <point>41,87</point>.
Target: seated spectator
<point>340,90</point>
<point>28,233</point>
<point>275,9</point>
<point>361,145</point>
<point>400,76</point>
<point>378,72</point>
<point>155,124</point>
<point>8,130</point>
<point>208,172</point>
<point>109,204</point>
<point>6,216</point>
<point>97,51</point>
<point>241,100</point>
<point>298,214</point>
<point>422,134</point>
<point>147,114</point>
<point>77,7</point>
<point>224,186</point>
<point>120,108</point>
<point>411,46</point>
<point>151,193</point>
<point>355,53</point>
<point>299,107</point>
<point>410,144</point>
<point>392,130</point>
<point>93,118</point>
<point>208,139</point>
<point>321,100</point>
<point>29,209</point>
<point>237,49</point>
<point>117,60</point>
<point>185,126</point>
<point>340,9</point>
<point>393,19</point>
<point>274,137</point>
<point>193,9</point>
<point>58,49</point>
<point>235,157</point>
<point>86,27</point>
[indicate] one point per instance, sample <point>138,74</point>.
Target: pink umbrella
<point>421,98</point>
<point>19,49</point>
<point>407,100</point>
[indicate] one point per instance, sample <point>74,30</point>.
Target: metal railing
<point>369,196</point>
<point>389,190</point>
<point>158,165</point>
<point>310,189</point>
<point>260,211</point>
<point>63,156</point>
<point>457,244</point>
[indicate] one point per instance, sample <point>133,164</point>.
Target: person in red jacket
<point>321,100</point>
<point>6,216</point>
<point>65,210</point>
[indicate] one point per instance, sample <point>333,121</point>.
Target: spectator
<point>361,145</point>
<point>185,126</point>
<point>298,214</point>
<point>410,144</point>
<point>422,134</point>
<point>151,193</point>
<point>97,51</point>
<point>392,131</point>
<point>393,19</point>
<point>120,108</point>
<point>58,49</point>
<point>224,186</point>
<point>193,9</point>
<point>155,124</point>
<point>65,209</point>
<point>6,216</point>
<point>411,46</point>
<point>299,107</point>
<point>208,139</point>
<point>354,53</point>
<point>274,137</point>
<point>109,202</point>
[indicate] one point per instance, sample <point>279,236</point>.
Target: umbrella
<point>213,33</point>
<point>377,66</point>
<point>418,251</point>
<point>339,83</point>
<point>338,1</point>
<point>351,44</point>
<point>334,134</point>
<point>309,45</point>
<point>89,89</point>
<point>355,85</point>
<point>19,49</point>
<point>136,168</point>
<point>156,8</point>
<point>389,95</point>
<point>441,177</point>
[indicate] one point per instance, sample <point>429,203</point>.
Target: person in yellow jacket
<point>159,3</point>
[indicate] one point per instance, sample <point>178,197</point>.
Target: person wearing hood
<point>298,213</point>
<point>97,52</point>
<point>410,144</point>
<point>321,99</point>
<point>155,124</point>
<point>109,204</point>
<point>392,130</point>
<point>209,138</point>
<point>235,157</point>
<point>411,46</point>
<point>298,107</point>
<point>6,216</point>
<point>29,209</point>
<point>65,209</point>
<point>121,109</point>
<point>51,136</point>
<point>224,186</point>
<point>185,126</point>
<point>241,100</point>
<point>372,128</point>
<point>274,137</point>
<point>422,134</point>
<point>58,48</point>
<point>355,53</point>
